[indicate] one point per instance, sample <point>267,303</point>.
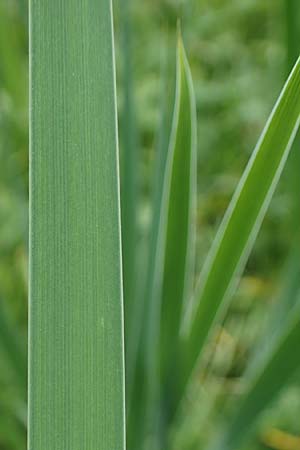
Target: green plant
<point>76,397</point>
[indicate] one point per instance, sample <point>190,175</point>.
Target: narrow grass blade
<point>76,370</point>
<point>179,211</point>
<point>170,259</point>
<point>276,371</point>
<point>242,221</point>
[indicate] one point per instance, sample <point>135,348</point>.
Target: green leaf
<point>171,266</point>
<point>280,365</point>
<point>76,368</point>
<point>241,223</point>
<point>179,212</point>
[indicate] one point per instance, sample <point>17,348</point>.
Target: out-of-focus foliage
<point>13,223</point>
<point>239,55</point>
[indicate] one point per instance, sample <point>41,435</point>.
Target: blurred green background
<point>240,52</point>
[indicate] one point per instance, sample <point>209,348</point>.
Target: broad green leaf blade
<point>242,221</point>
<point>273,375</point>
<point>179,211</point>
<point>76,369</point>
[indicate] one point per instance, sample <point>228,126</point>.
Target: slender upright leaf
<point>170,264</point>
<point>242,221</point>
<point>76,388</point>
<point>180,183</point>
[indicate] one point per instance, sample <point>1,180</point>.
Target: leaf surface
<point>76,368</point>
